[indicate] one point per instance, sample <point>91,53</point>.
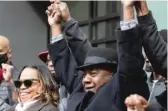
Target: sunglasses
<point>27,83</point>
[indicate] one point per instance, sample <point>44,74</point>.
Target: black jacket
<point>77,40</point>
<point>154,45</point>
<point>156,50</point>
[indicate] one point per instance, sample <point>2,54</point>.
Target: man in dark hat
<point>101,83</point>
<point>99,66</point>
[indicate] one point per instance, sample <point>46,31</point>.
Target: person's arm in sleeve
<point>129,44</point>
<point>132,78</point>
<point>77,39</point>
<point>154,45</point>
<point>61,55</point>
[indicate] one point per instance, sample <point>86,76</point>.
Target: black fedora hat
<point>97,56</point>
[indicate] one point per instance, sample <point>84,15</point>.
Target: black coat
<point>77,40</point>
<point>156,50</point>
<point>128,79</point>
<point>38,106</point>
<point>154,45</point>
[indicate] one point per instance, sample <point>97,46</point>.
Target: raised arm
<point>129,44</point>
<point>61,55</point>
<point>154,45</point>
<point>64,64</point>
<point>77,40</point>
<point>132,78</point>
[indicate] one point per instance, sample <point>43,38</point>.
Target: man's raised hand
<point>54,14</point>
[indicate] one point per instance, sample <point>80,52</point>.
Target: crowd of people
<point>79,77</point>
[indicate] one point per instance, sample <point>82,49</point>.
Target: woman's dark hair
<point>49,92</point>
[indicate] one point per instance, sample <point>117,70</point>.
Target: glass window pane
<point>101,30</point>
<point>94,32</point>
<point>114,7</point>
<point>112,45</point>
<point>101,8</point>
<point>79,9</point>
<point>101,45</point>
<point>112,24</point>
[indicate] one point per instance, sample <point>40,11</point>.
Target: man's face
<point>95,78</point>
<point>50,64</point>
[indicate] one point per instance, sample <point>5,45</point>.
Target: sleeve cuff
<point>56,38</point>
<point>126,25</point>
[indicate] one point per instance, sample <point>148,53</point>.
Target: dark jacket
<point>154,45</point>
<point>38,106</point>
<point>112,95</point>
<point>156,50</point>
<point>77,40</point>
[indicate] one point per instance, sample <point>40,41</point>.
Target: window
<point>98,19</point>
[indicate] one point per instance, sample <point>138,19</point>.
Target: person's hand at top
<point>128,10</point>
<point>141,8</point>
<point>65,13</point>
<point>54,14</point>
<point>128,3</point>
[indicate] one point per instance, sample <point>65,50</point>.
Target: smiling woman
<point>36,89</point>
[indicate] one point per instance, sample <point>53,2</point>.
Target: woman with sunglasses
<point>36,90</point>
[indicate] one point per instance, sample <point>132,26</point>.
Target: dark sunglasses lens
<point>17,84</point>
<point>28,83</point>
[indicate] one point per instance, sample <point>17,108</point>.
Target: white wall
<point>25,30</point>
<point>160,12</point>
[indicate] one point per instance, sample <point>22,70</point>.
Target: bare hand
<point>55,1</point>
<point>128,2</point>
<point>66,16</point>
<point>7,72</point>
<point>141,8</point>
<point>54,14</point>
<point>136,103</point>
